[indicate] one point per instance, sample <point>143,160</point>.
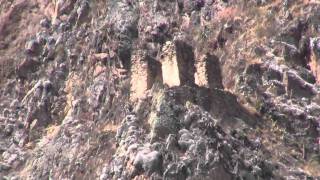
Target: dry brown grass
<point>228,13</point>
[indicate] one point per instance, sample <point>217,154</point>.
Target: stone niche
<point>144,72</point>
<point>208,72</point>
<point>177,60</point>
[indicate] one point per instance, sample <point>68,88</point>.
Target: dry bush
<point>265,22</point>
<point>228,13</point>
<point>265,30</point>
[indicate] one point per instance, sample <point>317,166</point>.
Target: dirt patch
<point>19,22</point>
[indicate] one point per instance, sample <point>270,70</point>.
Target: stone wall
<point>176,67</point>
<point>145,71</point>
<point>208,72</point>
<point>169,66</point>
<point>140,75</point>
<point>185,60</point>
<point>177,62</point>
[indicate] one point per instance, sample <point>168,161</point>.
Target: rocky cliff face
<point>159,89</point>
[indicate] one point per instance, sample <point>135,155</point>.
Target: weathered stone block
<point>144,72</point>
<point>139,76</point>
<point>177,61</point>
<point>169,66</point>
<point>208,72</point>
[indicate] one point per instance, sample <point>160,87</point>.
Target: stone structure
<point>177,61</point>
<point>140,75</point>
<point>208,72</point>
<point>144,72</point>
<point>177,67</point>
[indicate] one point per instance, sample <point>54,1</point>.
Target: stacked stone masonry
<point>178,66</point>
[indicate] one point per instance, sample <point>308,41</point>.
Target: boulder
<point>32,47</point>
<point>272,73</point>
<point>27,66</point>
<point>149,162</point>
<point>306,75</point>
<point>276,87</point>
<point>297,87</point>
<point>45,23</point>
<point>4,167</point>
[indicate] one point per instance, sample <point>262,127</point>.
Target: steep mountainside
<point>160,89</point>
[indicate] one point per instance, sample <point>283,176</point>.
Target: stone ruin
<point>144,72</point>
<point>208,72</point>
<point>177,66</point>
